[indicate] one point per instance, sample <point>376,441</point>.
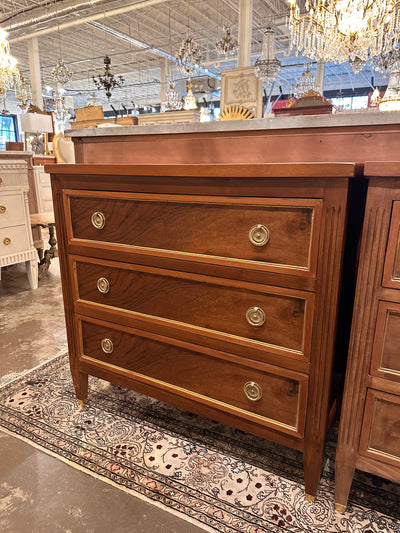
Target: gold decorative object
<point>3,209</point>
<point>107,345</point>
<point>6,241</point>
<point>255,316</point>
<point>103,285</point>
<point>98,220</point>
<point>253,391</point>
<point>235,112</point>
<point>343,30</point>
<point>259,235</point>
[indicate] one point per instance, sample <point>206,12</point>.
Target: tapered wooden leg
<point>312,470</point>
<point>80,381</point>
<point>344,472</point>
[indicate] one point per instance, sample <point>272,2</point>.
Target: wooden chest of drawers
<point>369,436</point>
<point>16,243</point>
<point>214,288</point>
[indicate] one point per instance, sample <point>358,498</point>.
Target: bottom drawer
<point>13,240</point>
<point>380,437</point>
<point>272,396</point>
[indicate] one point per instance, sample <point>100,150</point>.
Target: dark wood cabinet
<point>212,287</point>
<point>369,436</point>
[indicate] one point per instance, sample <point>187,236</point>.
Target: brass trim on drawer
<point>6,241</point>
<point>3,209</point>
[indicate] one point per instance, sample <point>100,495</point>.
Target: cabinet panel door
<point>391,272</point>
<point>380,437</point>
<point>386,351</point>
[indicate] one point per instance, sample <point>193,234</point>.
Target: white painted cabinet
<point>16,243</point>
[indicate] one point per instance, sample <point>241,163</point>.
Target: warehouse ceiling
<point>133,33</point>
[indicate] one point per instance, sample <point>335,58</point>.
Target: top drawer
<point>262,233</point>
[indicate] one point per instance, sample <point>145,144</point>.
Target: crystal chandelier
<point>22,92</point>
<point>268,67</point>
<point>357,64</point>
<point>108,81</point>
<point>188,58</point>
<point>172,100</point>
<point>227,46</point>
<point>339,30</point>
<point>9,72</point>
<point>61,73</point>
<point>391,98</point>
<point>385,63</point>
<point>306,83</point>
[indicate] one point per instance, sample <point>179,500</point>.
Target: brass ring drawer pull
<point>253,391</point>
<point>3,209</point>
<point>103,285</point>
<point>255,316</point>
<point>259,235</point>
<point>7,241</point>
<point>1,180</point>
<point>98,220</point>
<point>107,346</point>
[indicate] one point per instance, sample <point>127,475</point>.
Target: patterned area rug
<point>222,479</point>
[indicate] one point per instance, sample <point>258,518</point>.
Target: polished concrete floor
<point>39,493</point>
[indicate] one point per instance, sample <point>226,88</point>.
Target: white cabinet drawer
<point>13,240</point>
<point>12,210</point>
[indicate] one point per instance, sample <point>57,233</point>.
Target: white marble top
<point>371,118</point>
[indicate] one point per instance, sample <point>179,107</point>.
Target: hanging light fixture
<point>188,58</point>
<point>227,46</point>
<point>385,63</point>
<point>306,84</point>
<point>391,98</point>
<point>8,63</point>
<point>108,81</point>
<point>62,75</point>
<point>268,67</point>
<point>357,64</point>
<point>23,93</point>
<point>172,100</point>
<point>342,30</point>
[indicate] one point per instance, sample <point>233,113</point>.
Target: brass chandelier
<point>343,30</point>
<point>108,81</point>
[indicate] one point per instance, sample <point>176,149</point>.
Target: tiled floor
<point>39,493</point>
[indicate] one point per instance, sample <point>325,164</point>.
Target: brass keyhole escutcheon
<point>98,220</point>
<point>255,316</point>
<point>259,235</point>
<point>253,391</point>
<point>6,241</point>
<point>107,345</point>
<point>3,209</point>
<point>103,285</point>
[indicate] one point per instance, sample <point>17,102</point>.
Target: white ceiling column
<point>320,75</point>
<point>245,29</point>
<point>164,74</point>
<point>34,67</point>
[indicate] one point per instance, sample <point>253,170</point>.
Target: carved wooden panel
<point>241,86</point>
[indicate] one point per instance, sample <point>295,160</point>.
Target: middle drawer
<point>269,318</point>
